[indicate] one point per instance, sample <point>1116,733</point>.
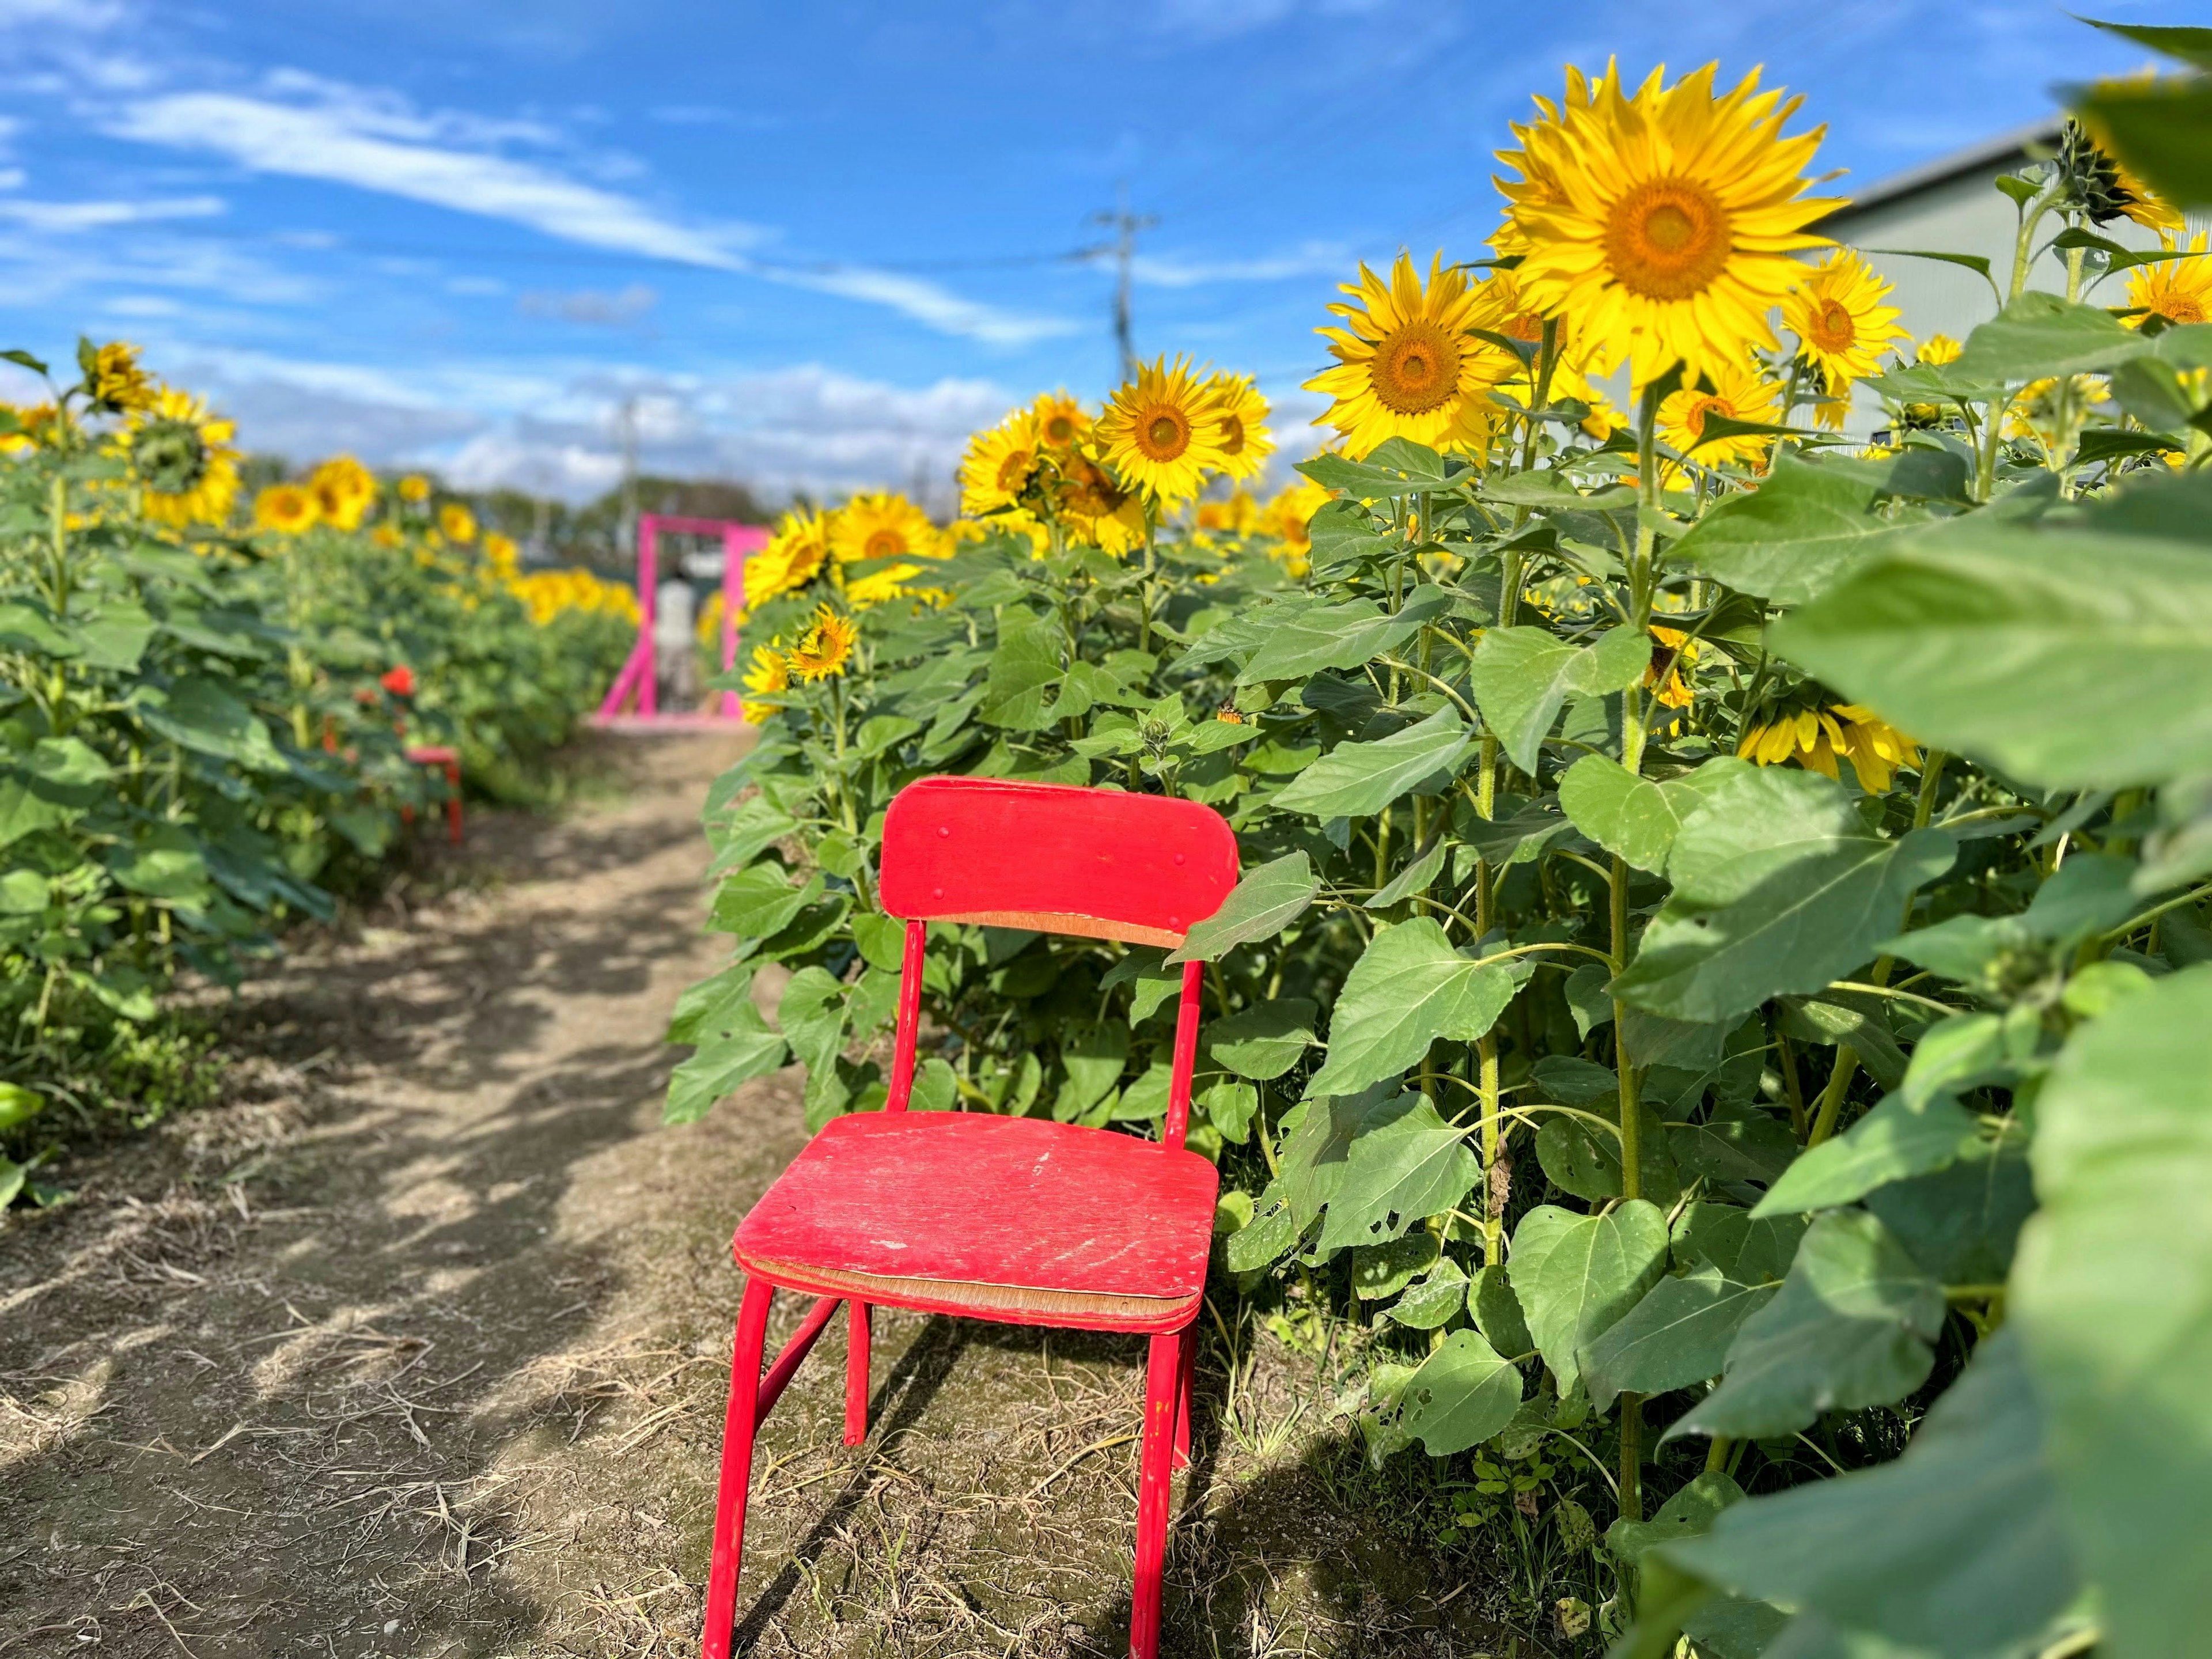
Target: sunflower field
<point>1715,1010</point>
<point>205,710</point>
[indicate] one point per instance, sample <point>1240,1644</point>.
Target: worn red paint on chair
<point>1022,1220</point>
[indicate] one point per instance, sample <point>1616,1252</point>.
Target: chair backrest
<point>1099,863</point>
<point>1055,859</point>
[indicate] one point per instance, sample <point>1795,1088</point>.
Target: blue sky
<point>816,244</point>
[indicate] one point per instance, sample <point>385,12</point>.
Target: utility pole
<point>1124,250</point>
<point>627,428</point>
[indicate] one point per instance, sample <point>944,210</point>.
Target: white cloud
<point>1313,259</point>
<point>344,142</point>
<point>87,16</point>
<point>66,216</point>
<point>375,141</point>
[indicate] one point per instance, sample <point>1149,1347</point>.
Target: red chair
<point>437,754</point>
<point>1018,1220</point>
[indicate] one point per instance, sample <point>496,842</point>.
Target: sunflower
<point>2101,186</point>
<point>1058,421</point>
<point>1406,367</point>
<point>824,648</point>
<point>113,381</point>
<point>502,554</point>
<point>415,488</point>
<point>883,526</point>
<point>1096,510</point>
<point>1237,515</point>
<point>289,509</point>
<point>344,491</point>
<point>457,523</point>
<point>1938,349</point>
<point>2179,290</point>
<point>1678,217</point>
<point>1672,652</point>
<point>2037,412</point>
<point>1816,739</point>
<point>769,675</point>
<point>181,456</point>
<point>1841,324</point>
<point>1245,441</point>
<point>794,556</point>
<point>999,465</point>
<point>34,428</point>
<point>1162,432</point>
<point>1738,394</point>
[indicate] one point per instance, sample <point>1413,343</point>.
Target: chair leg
<point>1186,1373</point>
<point>737,1469</point>
<point>1154,1473</point>
<point>453,801</point>
<point>856,1372</point>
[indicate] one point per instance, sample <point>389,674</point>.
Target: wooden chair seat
<point>1020,1220</point>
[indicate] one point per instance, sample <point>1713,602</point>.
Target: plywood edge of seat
<point>1026,1304</point>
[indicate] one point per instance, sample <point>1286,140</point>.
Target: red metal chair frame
<point>1095,863</point>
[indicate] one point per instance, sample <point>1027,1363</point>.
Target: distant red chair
<point>1022,1220</point>
<point>437,754</point>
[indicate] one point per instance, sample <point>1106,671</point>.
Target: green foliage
<point>1685,933</point>
<point>199,747</point>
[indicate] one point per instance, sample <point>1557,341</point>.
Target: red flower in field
<point>400,682</point>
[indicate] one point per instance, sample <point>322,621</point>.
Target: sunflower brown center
<point>170,456</point>
<point>1059,430</point>
<point>2180,308</point>
<point>885,544</point>
<point>1667,239</point>
<point>1164,435</point>
<point>1416,368</point>
<point>1013,470</point>
<point>1832,328</point>
<point>1232,436</point>
<point>1704,406</point>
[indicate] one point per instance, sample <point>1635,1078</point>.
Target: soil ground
<point>418,1344</point>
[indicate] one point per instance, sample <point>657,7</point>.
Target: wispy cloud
<point>346,142</point>
<point>1313,259</point>
<point>63,216</point>
<point>375,141</point>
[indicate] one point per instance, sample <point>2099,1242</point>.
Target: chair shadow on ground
<point>1361,1593</point>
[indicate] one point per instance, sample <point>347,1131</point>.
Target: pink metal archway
<point>638,683</point>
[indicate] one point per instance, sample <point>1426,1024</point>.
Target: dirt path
<point>418,1345</point>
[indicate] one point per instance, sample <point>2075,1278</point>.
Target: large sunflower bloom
<point>1407,366</point>
<point>999,465</point>
<point>794,556</point>
<point>1738,394</point>
<point>289,509</point>
<point>182,457</point>
<point>1245,441</point>
<point>824,648</point>
<point>1058,421</point>
<point>1161,431</point>
<point>1674,237</point>
<point>1842,325</point>
<point>2179,290</point>
<point>883,526</point>
<point>457,523</point>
